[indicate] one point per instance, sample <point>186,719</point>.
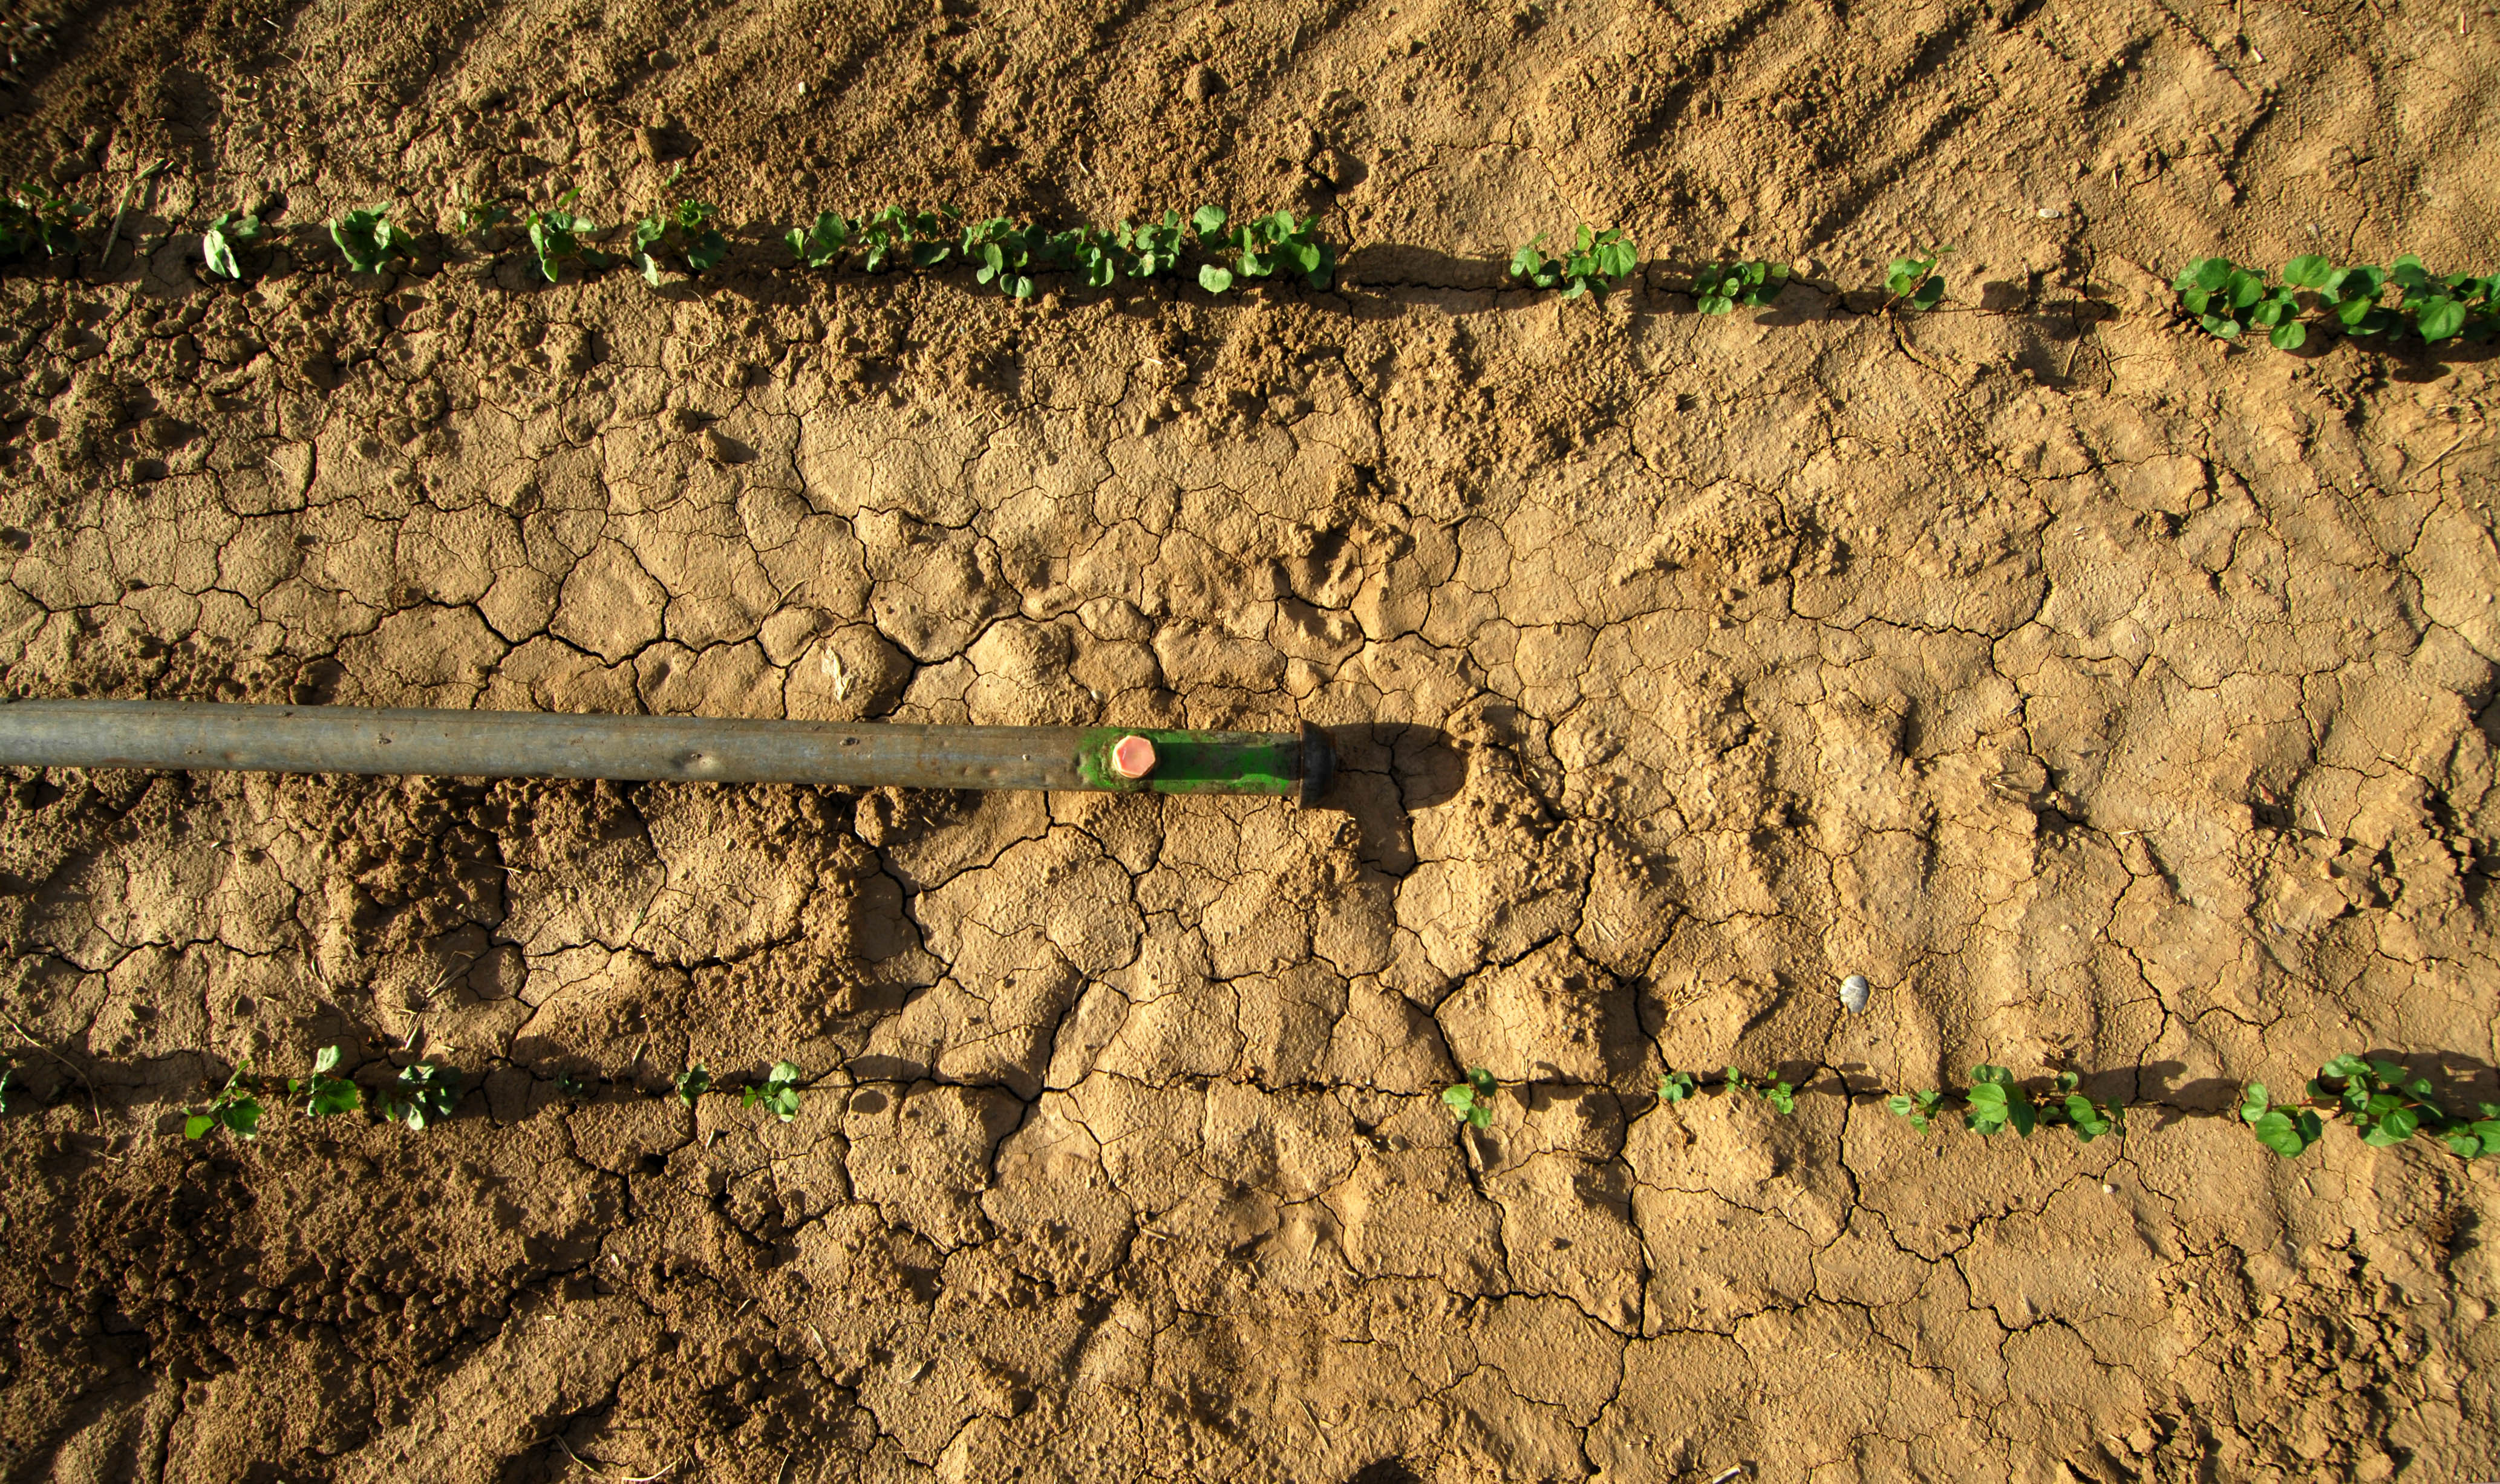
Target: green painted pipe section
<point>1197,761</point>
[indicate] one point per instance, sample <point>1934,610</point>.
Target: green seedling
<point>367,238</point>
<point>1094,255</point>
<point>1596,262</point>
<point>1004,252</point>
<point>2350,295</point>
<point>894,236</point>
<point>1472,1099</point>
<point>2287,1131</point>
<point>1260,246</point>
<point>474,218</point>
<point>1914,281</point>
<point>684,230</point>
<point>225,235</point>
<point>33,219</point>
<point>2088,1118</point>
<point>1920,1108</point>
<point>693,1082</point>
<point>2229,300</point>
<point>423,1096</point>
<point>777,1093</point>
<point>7,1080</point>
<point>2383,1105</point>
<point>2466,1139</point>
<point>555,237</point>
<point>2442,307</point>
<point>234,1108</point>
<point>322,1093</point>
<point>1153,249</point>
<point>823,245</point>
<point>1719,287</point>
<point>1780,1095</point>
<point>2388,1108</point>
<point>1995,1104</point>
<point>1676,1087</point>
<point>571,1087</point>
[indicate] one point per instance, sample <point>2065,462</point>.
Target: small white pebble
<point>1853,993</point>
<point>2052,213</point>
<point>2109,1190</point>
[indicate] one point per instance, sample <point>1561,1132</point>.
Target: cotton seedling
<point>323,1094</point>
<point>1779,1094</point>
<point>229,232</point>
<point>2471,1140</point>
<point>2229,300</point>
<point>7,1080</point>
<point>683,231</point>
<point>1094,255</point>
<point>474,218</point>
<point>2442,307</point>
<point>777,1094</point>
<point>555,234</point>
<point>2287,1131</point>
<point>1005,251</point>
<point>1995,1104</point>
<point>34,219</point>
<point>1914,280</point>
<point>368,239</point>
<point>2088,1118</point>
<point>1676,1087</point>
<point>2386,1107</point>
<point>895,236</point>
<point>423,1095</point>
<point>234,1108</point>
<point>1718,288</point>
<point>1596,262</point>
<point>2349,295</point>
<point>1260,246</point>
<point>1153,249</point>
<point>693,1082</point>
<point>1920,1108</point>
<point>1472,1099</point>
<point>822,246</point>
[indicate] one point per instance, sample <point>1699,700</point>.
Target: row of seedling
<point>2380,1102</point>
<point>2229,300</point>
<point>424,1093</point>
<point>2234,302</point>
<point>683,236</point>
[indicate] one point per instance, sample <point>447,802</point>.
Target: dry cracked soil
<point>2112,699</point>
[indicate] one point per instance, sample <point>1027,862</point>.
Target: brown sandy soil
<point>2110,700</point>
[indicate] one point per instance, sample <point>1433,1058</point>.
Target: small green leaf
<point>2285,1132</point>
<point>2439,320</point>
<point>692,1083</point>
<point>1208,220</point>
<point>2290,335</point>
<point>1213,279</point>
<point>1675,1086</point>
<point>197,1125</point>
<point>2308,271</point>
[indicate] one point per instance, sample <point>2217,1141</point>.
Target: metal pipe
<point>528,743</point>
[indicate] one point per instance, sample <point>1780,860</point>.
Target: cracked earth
<point>2110,701</point>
